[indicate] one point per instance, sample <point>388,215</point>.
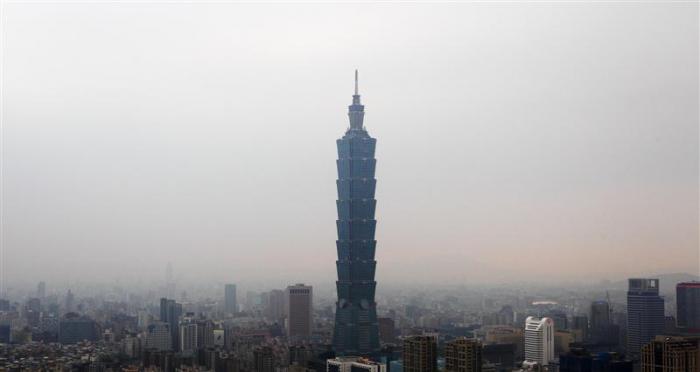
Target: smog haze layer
<point>561,137</point>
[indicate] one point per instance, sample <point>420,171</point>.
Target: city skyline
<point>583,153</point>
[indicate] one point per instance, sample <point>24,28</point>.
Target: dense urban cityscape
<point>647,324</point>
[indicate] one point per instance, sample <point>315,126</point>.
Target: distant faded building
<point>603,331</point>
<point>645,313</point>
<point>463,355</point>
<point>353,364</point>
<point>41,290</point>
<point>158,336</point>
<point>420,354</point>
<point>561,322</point>
<point>539,340</point>
<point>230,301</point>
<point>387,330</point>
<point>74,328</point>
<point>688,307</point>
<point>579,323</point>
<point>275,309</point>
<point>299,308</point>
<point>671,354</point>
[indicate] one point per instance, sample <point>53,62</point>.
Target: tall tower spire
<point>356,111</point>
<point>356,90</point>
<point>356,329</point>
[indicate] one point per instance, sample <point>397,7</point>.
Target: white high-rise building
<point>539,340</point>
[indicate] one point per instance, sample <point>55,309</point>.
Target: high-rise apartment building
<point>356,331</point>
<point>299,309</point>
<point>539,340</point>
<point>645,313</point>
<point>463,355</point>
<point>671,354</point>
<point>688,307</point>
<point>230,303</point>
<point>420,354</point>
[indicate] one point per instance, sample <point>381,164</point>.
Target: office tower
<point>671,354</point>
<point>539,340</point>
<point>170,312</point>
<point>264,359</point>
<point>274,310</point>
<point>299,308</point>
<point>688,307</point>
<point>74,328</point>
<point>41,290</point>
<point>230,303</point>
<point>158,336</point>
<point>579,323</point>
<point>501,356</point>
<point>420,354</point>
<point>581,360</point>
<point>463,355</point>
<point>4,305</point>
<point>356,331</point>
<point>188,336</point>
<point>387,330</point>
<point>5,333</point>
<point>645,313</point>
<point>353,364</point>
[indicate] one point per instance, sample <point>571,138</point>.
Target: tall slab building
<point>645,314</point>
<point>356,330</point>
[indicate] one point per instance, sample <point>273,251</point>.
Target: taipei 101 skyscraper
<point>356,332</point>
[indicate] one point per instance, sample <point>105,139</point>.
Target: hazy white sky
<point>537,140</point>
